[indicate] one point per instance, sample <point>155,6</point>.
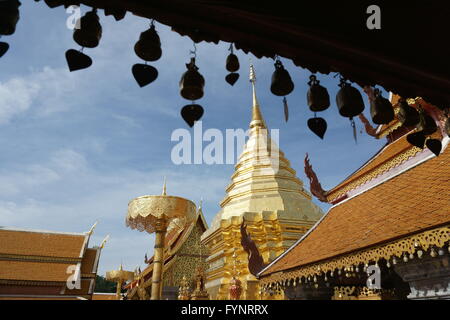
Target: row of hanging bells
<point>281,84</point>
<point>425,127</point>
<point>9,17</point>
<point>148,48</point>
<point>232,66</point>
<point>192,86</point>
<point>87,34</point>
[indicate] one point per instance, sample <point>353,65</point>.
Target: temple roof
<point>35,263</point>
<point>42,243</point>
<point>411,201</point>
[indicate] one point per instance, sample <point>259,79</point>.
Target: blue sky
<point>76,147</point>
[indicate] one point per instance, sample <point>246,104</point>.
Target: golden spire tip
<point>164,191</point>
<point>257,119</point>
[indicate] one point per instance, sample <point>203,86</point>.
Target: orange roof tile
<point>33,271</point>
<point>416,200</point>
<point>32,243</point>
<point>89,259</point>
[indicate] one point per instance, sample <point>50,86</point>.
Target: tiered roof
<point>402,193</point>
<point>35,263</point>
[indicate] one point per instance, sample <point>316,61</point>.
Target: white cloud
<point>16,95</point>
<point>65,193</point>
<point>68,160</point>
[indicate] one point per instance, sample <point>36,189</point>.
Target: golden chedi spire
<point>267,195</point>
<point>257,118</point>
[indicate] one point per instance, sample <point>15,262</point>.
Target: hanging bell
<point>381,109</point>
<point>408,116</point>
<point>349,100</point>
<point>426,125</point>
<point>282,83</point>
<point>192,82</point>
<point>9,16</point>
<point>90,31</point>
<point>317,96</point>
<point>232,64</point>
<point>148,47</point>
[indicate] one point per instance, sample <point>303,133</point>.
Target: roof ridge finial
<point>257,119</point>
<point>164,191</point>
<point>92,228</point>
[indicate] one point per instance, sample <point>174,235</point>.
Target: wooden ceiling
<point>409,55</point>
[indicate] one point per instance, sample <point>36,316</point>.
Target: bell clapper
<point>286,109</point>
<point>352,122</point>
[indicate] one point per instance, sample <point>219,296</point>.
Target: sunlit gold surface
<point>119,276</point>
<point>265,192</point>
<point>159,214</point>
<point>144,212</point>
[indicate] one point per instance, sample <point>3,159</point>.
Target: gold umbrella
<point>158,214</point>
<point>119,276</point>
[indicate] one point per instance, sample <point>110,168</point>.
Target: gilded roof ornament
<point>164,191</point>
<point>257,119</point>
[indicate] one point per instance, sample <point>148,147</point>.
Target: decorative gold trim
<point>259,166</point>
<point>408,245</point>
<point>397,160</point>
<point>252,191</point>
<point>235,183</point>
<point>393,162</point>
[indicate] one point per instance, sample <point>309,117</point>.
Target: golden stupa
<point>265,192</point>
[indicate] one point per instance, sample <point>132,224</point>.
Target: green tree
<point>103,285</point>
